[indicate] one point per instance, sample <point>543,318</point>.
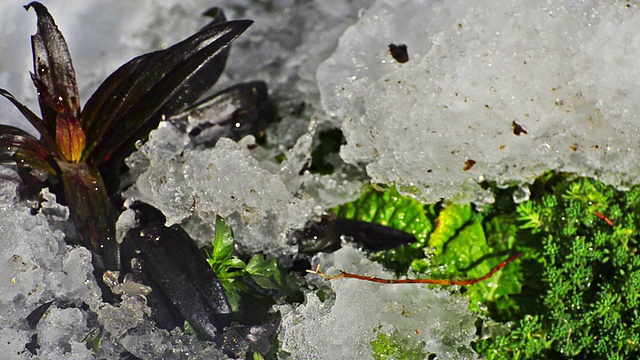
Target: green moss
<point>394,346</point>
<point>574,294</point>
<point>584,275</point>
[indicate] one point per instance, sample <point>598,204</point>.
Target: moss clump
<point>574,294</point>
<point>582,241</point>
<point>393,346</point>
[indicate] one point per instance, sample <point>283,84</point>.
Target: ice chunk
<point>130,312</point>
<point>61,332</point>
<point>78,281</point>
<point>343,327</point>
<point>226,180</point>
<point>165,142</point>
<point>213,181</point>
<point>518,88</point>
<point>12,341</point>
<point>51,208</point>
<point>127,314</point>
<point>148,342</point>
<point>36,266</point>
<point>11,185</point>
<point>35,261</point>
<point>125,222</point>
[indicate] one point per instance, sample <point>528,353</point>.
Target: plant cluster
<point>267,277</point>
<point>83,148</point>
<point>583,271</point>
<point>574,294</point>
<point>80,153</point>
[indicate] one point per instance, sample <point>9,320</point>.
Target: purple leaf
<point>47,131</point>
<point>53,69</point>
<point>91,211</point>
<point>21,148</point>
<point>129,103</point>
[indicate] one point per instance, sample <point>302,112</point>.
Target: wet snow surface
<point>493,91</point>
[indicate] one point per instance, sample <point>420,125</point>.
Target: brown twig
<point>606,219</point>
<point>345,275</point>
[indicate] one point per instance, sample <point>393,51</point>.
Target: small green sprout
<point>231,270</point>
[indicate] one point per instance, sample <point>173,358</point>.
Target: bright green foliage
<point>450,220</point>
<point>226,266</point>
<point>526,338</point>
<point>221,256</point>
<point>93,340</point>
<point>268,275</point>
<point>395,346</point>
<point>230,269</point>
<point>456,248</point>
<point>462,249</point>
<point>574,294</point>
<point>586,274</point>
<point>391,209</point>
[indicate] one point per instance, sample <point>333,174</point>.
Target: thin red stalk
<point>606,219</point>
<point>417,281</point>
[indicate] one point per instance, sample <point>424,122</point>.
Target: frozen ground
<point>490,92</point>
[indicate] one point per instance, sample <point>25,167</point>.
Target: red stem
<point>421,281</point>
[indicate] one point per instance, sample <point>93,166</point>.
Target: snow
<point>564,71</point>
<point>478,74</point>
<point>344,326</point>
<point>226,180</point>
<point>54,330</point>
<point>37,266</point>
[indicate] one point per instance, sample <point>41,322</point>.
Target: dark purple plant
<point>84,146</point>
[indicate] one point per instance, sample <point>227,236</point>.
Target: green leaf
<point>391,209</point>
<point>93,340</point>
<point>188,329</point>
<point>450,220</point>
<point>234,288</point>
<point>233,263</point>
<point>265,273</point>
<point>222,243</point>
<point>228,269</point>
